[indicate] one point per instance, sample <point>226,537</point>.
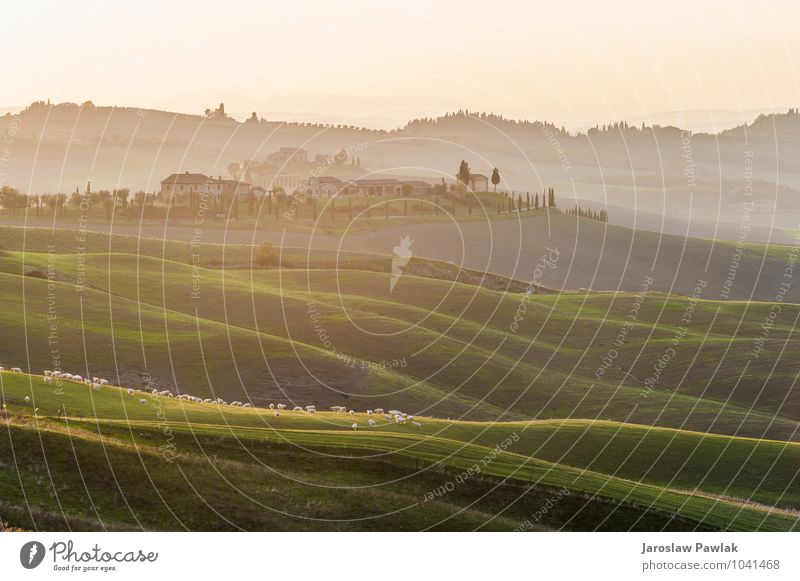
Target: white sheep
<point>369,412</point>
<point>281,406</point>
<point>276,413</point>
<point>387,417</point>
<point>247,405</point>
<point>400,419</point>
<point>27,399</point>
<point>297,408</point>
<point>416,424</point>
<point>371,422</point>
<point>354,426</point>
<point>48,379</point>
<point>130,391</point>
<point>16,370</point>
<point>378,410</point>
<point>142,401</point>
<point>352,412</point>
<point>272,406</point>
<point>47,372</point>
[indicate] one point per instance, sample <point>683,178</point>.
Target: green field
<point>712,444</point>
<point>97,458</point>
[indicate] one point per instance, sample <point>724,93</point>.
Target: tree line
<point>599,215</point>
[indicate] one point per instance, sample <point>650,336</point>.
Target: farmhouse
<point>478,182</point>
<point>287,155</point>
<point>180,185</point>
<point>220,189</point>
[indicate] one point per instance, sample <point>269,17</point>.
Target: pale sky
<point>379,63</point>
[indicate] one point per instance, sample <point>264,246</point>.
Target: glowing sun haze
<point>379,63</point>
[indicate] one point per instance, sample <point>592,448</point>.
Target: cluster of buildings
<point>292,170</point>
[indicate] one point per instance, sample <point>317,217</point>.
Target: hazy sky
<point>376,63</point>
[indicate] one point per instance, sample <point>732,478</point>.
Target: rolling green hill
<point>431,346</point>
<point>167,463</point>
<point>654,411</point>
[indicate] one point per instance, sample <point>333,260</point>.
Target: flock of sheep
<point>395,416</point>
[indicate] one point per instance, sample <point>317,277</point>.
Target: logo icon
<point>31,554</point>
<point>402,254</point>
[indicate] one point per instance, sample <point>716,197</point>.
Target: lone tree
<point>266,255</point>
<point>495,178</point>
<point>463,173</point>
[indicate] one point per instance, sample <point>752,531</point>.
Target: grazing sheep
<point>276,413</point>
<point>2,368</point>
<point>400,419</point>
<point>396,413</point>
<point>47,372</point>
<point>207,400</point>
<point>130,391</point>
<point>312,411</point>
<point>369,412</point>
<point>352,412</point>
<point>272,406</point>
<point>142,401</point>
<point>77,378</point>
<point>387,417</point>
<point>371,422</point>
<point>354,426</point>
<point>297,408</point>
<point>102,381</point>
<point>416,424</point>
<point>247,405</point>
<point>27,399</point>
<point>378,410</point>
<point>281,406</point>
<point>16,370</point>
<point>48,379</point>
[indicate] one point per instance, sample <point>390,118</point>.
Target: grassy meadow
<point>708,440</point>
